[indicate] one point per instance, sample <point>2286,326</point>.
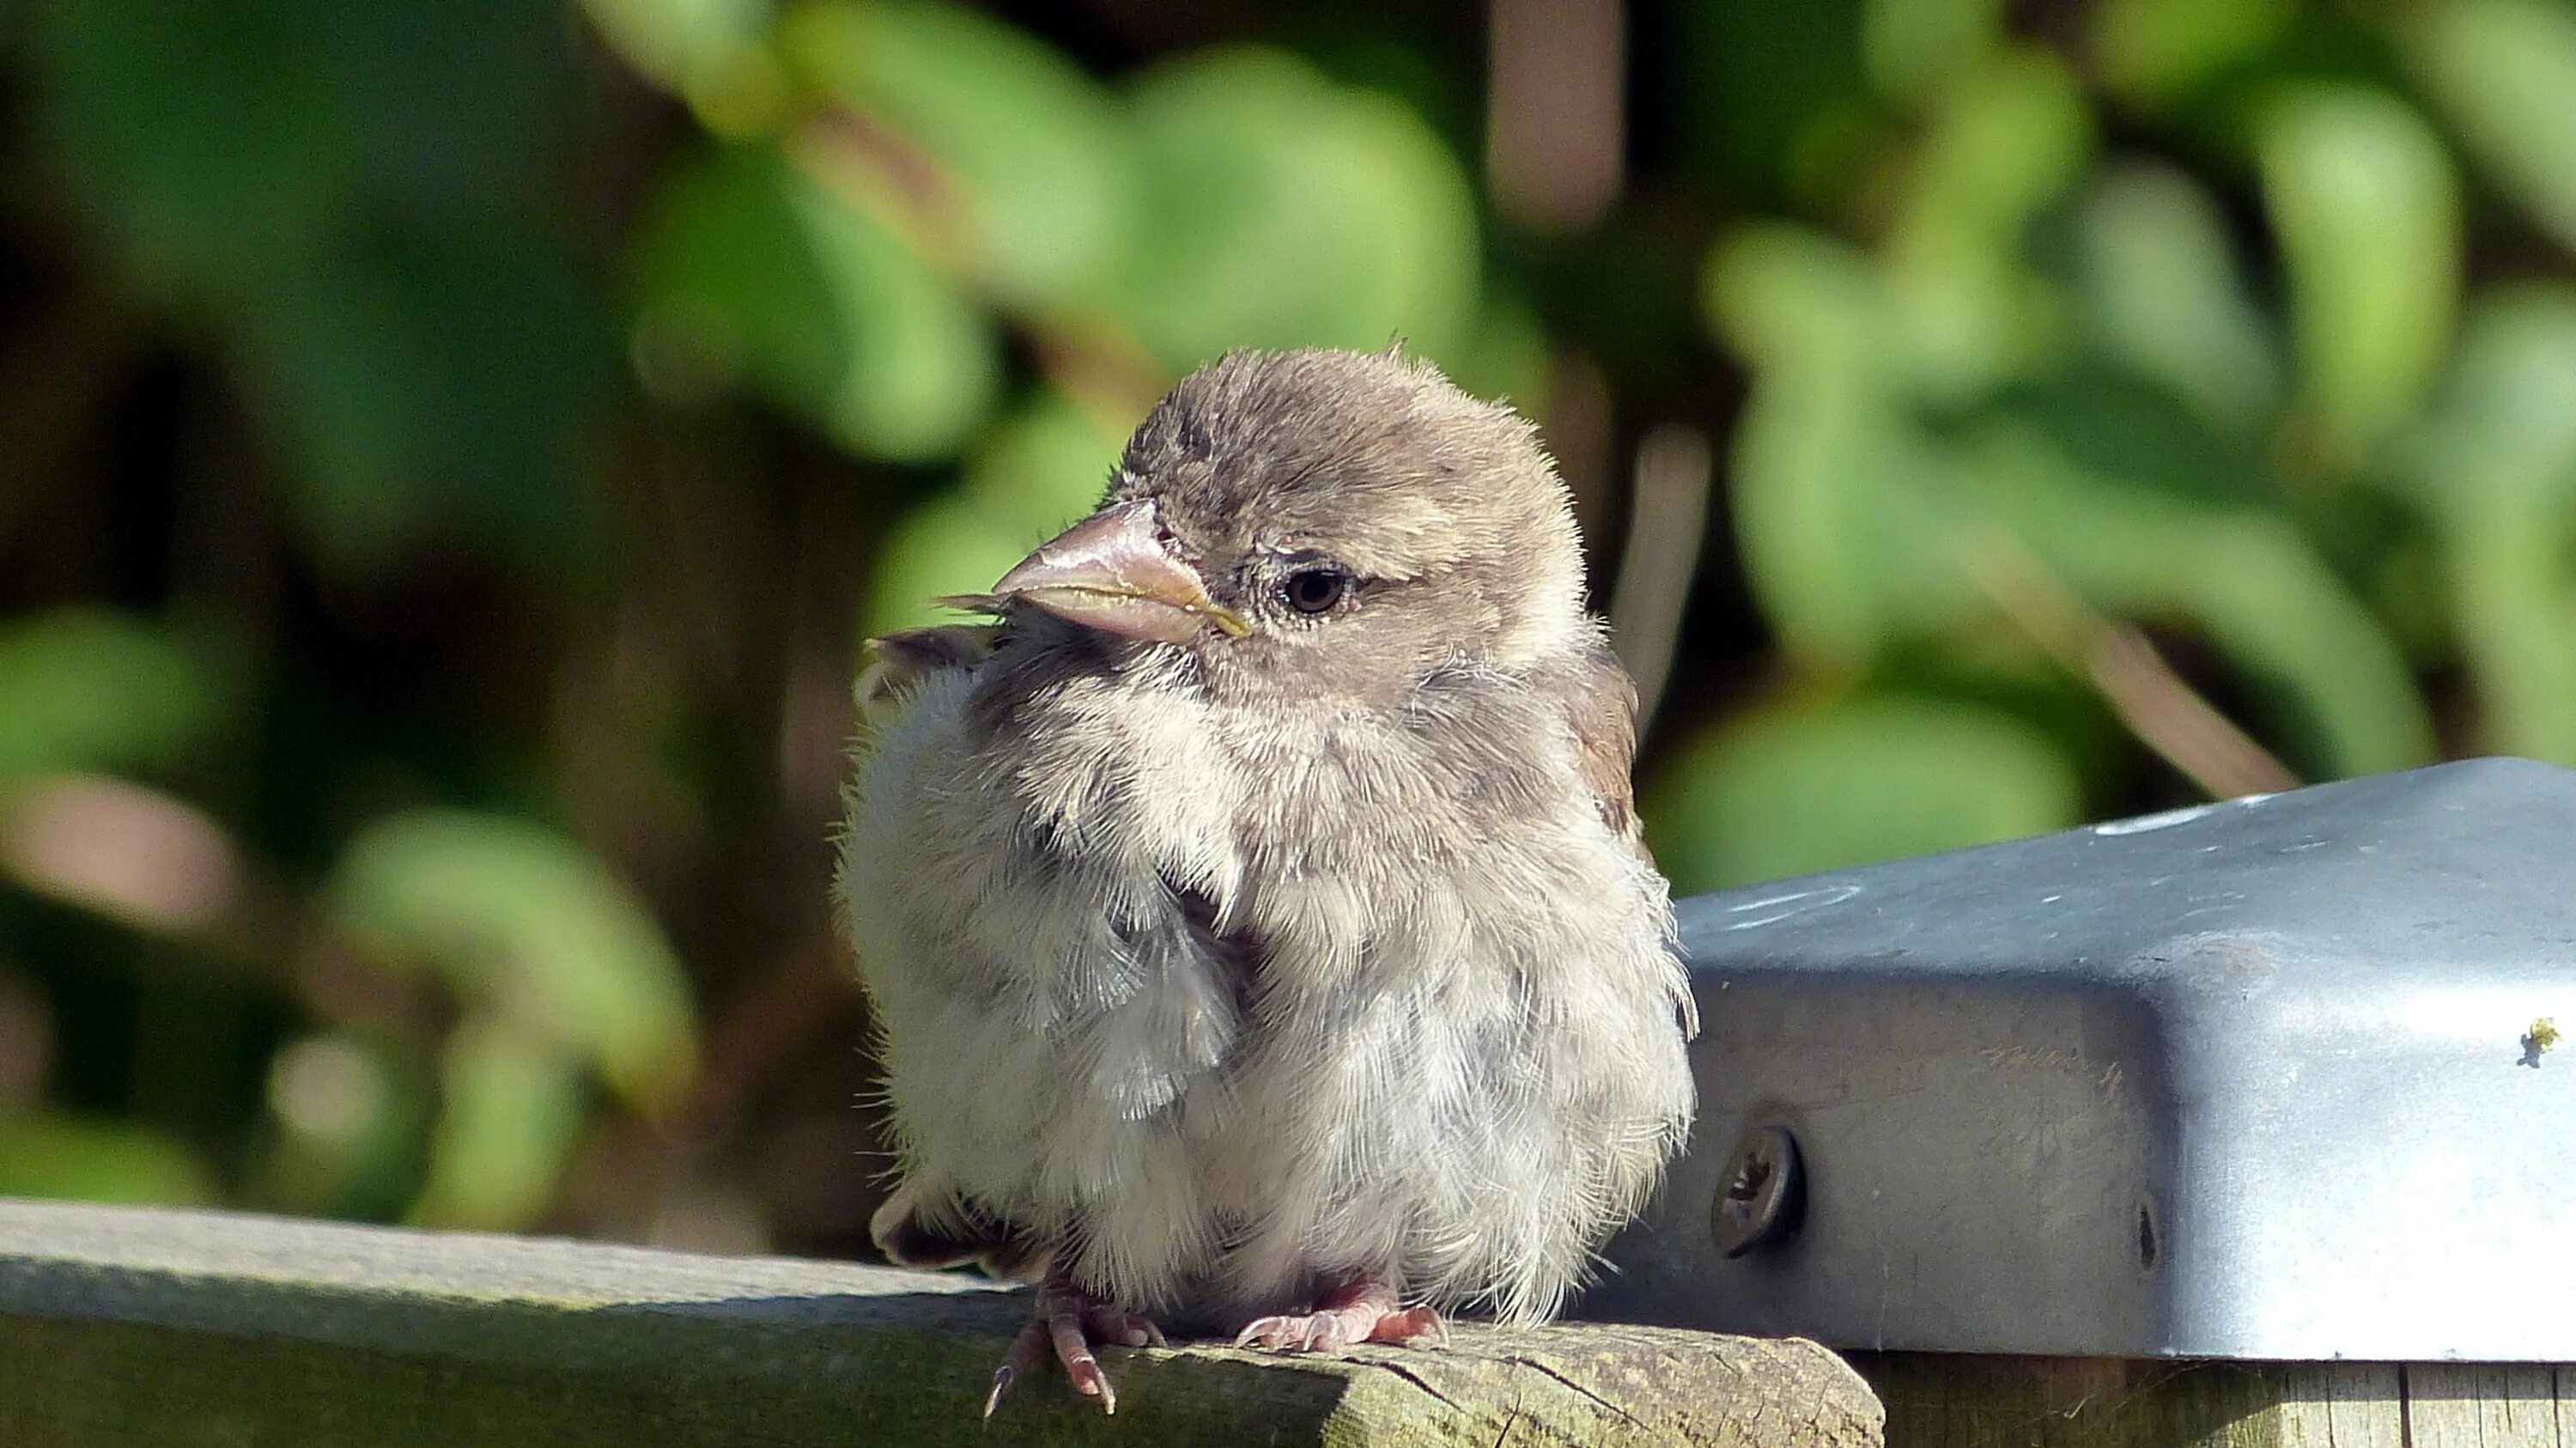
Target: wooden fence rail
<point>121,1328</point>
<point>1941,1401</point>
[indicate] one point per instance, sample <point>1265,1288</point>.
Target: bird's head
<point>1322,521</point>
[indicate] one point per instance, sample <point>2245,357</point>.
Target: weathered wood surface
<point>123,1327</point>
<point>1935,1401</point>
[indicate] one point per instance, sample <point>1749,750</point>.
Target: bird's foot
<point>1362,1312</point>
<point>1069,1320</point>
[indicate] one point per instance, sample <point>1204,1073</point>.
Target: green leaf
<point>1790,299</point>
<point>684,44</point>
<point>2162,291</point>
<point>1795,789</point>
<point>1862,524</point>
<point>2005,142</point>
<point>2504,71</point>
<point>527,925</point>
<point>86,690</point>
<point>510,1114</point>
<point>943,546</point>
<point>469,116</point>
<point>210,140</point>
<point>2368,215</point>
<point>1033,157</point>
<point>1838,501</point>
<point>1767,93</point>
<point>348,1114</point>
<point>229,147</point>
<point>2246,578</point>
<point>750,269</point>
<point>434,386</point>
<point>364,202</point>
<point>49,1154</point>
<point>1039,471</point>
<point>2157,53</point>
<point>2008,139</point>
<point>2495,469</point>
<point>1283,210</point>
<point>1045,467</point>
<point>1507,358</point>
<point>2504,425</point>
<point>1848,518</point>
<point>1913,48</point>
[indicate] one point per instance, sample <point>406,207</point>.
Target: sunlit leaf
<point>2341,691</point>
<point>1845,512</point>
<point>2368,215</point>
<point>1284,210</point>
<point>684,44</point>
<point>51,1154</point>
<point>2163,293</point>
<point>1041,470</point>
<point>1788,298</point>
<point>2157,52</point>
<point>87,690</point>
<point>1862,523</point>
<point>1021,162</point>
<point>510,1111</point>
<point>2006,140</point>
<point>750,268</point>
<point>2516,608</point>
<point>1914,47</point>
<point>526,924</point>
<point>941,547</point>
<point>2504,71</point>
<point>2504,426</point>
<point>1795,789</point>
<point>1838,501</point>
<point>1046,466</point>
<point>2495,469</point>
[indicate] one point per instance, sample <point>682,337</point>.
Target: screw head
<point>1762,1195</point>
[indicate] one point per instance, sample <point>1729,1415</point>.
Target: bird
<point>1253,914</point>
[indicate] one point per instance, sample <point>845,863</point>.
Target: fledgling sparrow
<point>1254,916</point>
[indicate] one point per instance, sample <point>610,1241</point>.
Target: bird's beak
<point>1113,572</point>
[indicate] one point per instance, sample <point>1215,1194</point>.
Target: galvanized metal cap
<point>2278,1078</point>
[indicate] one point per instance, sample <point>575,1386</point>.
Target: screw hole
<point>1761,1198</point>
<point>1750,1181</point>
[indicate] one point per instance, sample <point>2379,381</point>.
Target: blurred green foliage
<point>448,455</point>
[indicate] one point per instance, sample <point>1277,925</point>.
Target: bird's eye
<point>1314,590</point>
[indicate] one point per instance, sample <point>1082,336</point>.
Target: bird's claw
<point>1069,1322</point>
<point>1334,1328</point>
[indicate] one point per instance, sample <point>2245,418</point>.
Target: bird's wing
<point>907,658</point>
<point>934,1231</point>
<point>1601,709</point>
<point>932,1241</point>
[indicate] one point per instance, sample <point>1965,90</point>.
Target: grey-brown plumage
<point>1255,920</point>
